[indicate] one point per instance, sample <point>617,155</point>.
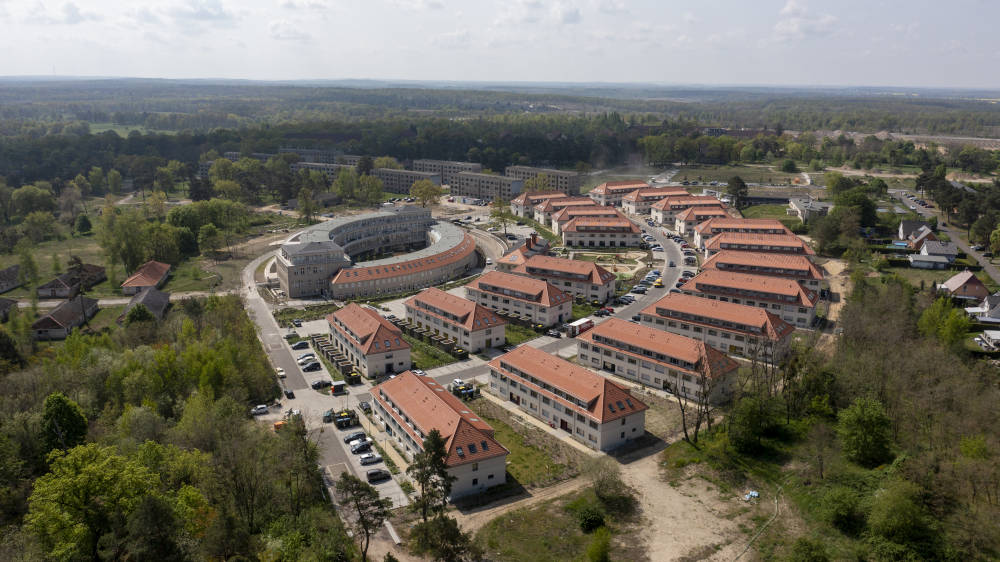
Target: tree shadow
<point>507,493</point>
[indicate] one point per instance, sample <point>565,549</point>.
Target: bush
<point>590,519</point>
<point>864,429</point>
<point>808,550</point>
<point>600,547</point>
<point>841,508</point>
<point>897,515</point>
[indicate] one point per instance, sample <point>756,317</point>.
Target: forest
<point>135,444</point>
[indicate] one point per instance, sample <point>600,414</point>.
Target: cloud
<point>204,11</point>
<point>458,39</point>
<point>284,30</point>
<point>564,13</point>
<point>689,18</point>
<point>420,5</point>
<point>797,23</point>
<point>68,14</point>
<point>304,4</point>
<point>611,6</point>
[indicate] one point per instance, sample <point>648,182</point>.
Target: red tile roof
<point>596,224</point>
<point>757,242</point>
<point>409,267</point>
<point>699,213</point>
<point>595,391</point>
<point>553,267</point>
<point>536,290</point>
<point>619,187</point>
<point>686,201</point>
<point>655,192</point>
<point>428,405</point>
<point>467,314</point>
<point>528,199</point>
<point>552,205</point>
<point>149,274</point>
<point>715,281</point>
<point>570,213</point>
<point>740,315</point>
<point>793,266</point>
<point>371,332</point>
<point>691,351</point>
<point>731,224</point>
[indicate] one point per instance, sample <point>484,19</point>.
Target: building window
<point>475,481</point>
<point>475,466</point>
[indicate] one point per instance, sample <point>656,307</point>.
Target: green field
<point>518,334</point>
<point>930,276</point>
<point>749,174</point>
<point>426,356</point>
<point>777,212</point>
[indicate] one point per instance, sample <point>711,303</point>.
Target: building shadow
<point>638,449</point>
<point>510,492</point>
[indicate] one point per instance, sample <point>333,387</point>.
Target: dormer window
<point>460,452</point>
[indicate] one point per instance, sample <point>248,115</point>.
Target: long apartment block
<point>447,169</point>
<point>788,266</point>
<point>369,341</point>
<point>581,278</point>
<point>665,210</point>
<point>560,218</point>
<point>400,181</point>
<point>755,242</point>
<point>783,297</point>
<point>639,202</point>
<point>736,329</point>
<point>473,326</point>
<point>533,300</point>
<point>667,361</point>
<point>687,220</point>
<point>704,231</point>
<point>486,186</point>
<point>409,406</point>
<point>601,232</point>
<point>565,181</point>
<point>524,204</point>
<point>544,210</point>
<point>594,410</point>
<point>611,193</point>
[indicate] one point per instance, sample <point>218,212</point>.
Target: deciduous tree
<point>367,508</point>
<point>864,430</point>
<point>426,191</point>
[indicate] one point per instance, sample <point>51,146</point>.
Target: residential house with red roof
<point>732,328</point>
<point>782,297</point>
<point>473,326</point>
<point>544,210</point>
<point>531,300</point>
<point>150,274</point>
<point>561,218</point>
<point>595,411</point>
<point>965,285</point>
<point>687,220</point>
<point>581,278</point>
<point>788,266</point>
<point>666,361</point>
<point>665,210</point>
<point>639,202</point>
<point>524,204</point>
<point>705,230</point>
<point>409,406</point>
<point>373,344</point>
<point>611,193</point>
<point>757,242</point>
<point>601,232</point>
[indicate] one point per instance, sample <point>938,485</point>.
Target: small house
<point>68,284</point>
<point>906,228</point>
<point>150,274</point>
<point>155,301</point>
<point>57,324</point>
<point>965,285</point>
<point>947,250</point>
<point>10,278</point>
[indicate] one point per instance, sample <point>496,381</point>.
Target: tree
<point>430,471</point>
<point>208,239</point>
<point>386,162</point>
<point>153,528</point>
<point>28,271</point>
<point>808,550</point>
<point>500,213</point>
<point>737,190</point>
<point>306,205</point>
<point>89,491</point>
<point>541,182</point>
<point>426,191</point>
<point>443,539</point>
<point>228,189</point>
<point>864,430</point>
<point>82,225</point>
<point>836,182</point>
<point>156,205</point>
<point>365,166</point>
<point>114,182</point>
<point>138,313</point>
<point>346,184</point>
<point>63,424</point>
<point>788,166</point>
<point>30,198</point>
<point>368,509</point>
<point>995,242</point>
<point>38,225</point>
<point>370,190</point>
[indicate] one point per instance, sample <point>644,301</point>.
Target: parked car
<point>362,447</point>
<point>418,372</point>
<point>297,322</point>
<point>672,264</point>
<point>289,394</point>
<point>314,366</point>
<point>359,441</point>
<point>639,290</point>
<point>370,458</point>
<point>309,355</point>
<point>636,317</point>
<point>280,372</point>
<point>354,436</point>
<point>364,406</point>
<point>378,475</point>
<point>304,344</point>
<point>553,334</point>
<point>316,385</point>
<point>258,410</point>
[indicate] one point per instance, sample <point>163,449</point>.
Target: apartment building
<point>311,154</point>
<point>400,181</point>
<point>329,169</point>
<point>524,204</point>
<point>687,220</point>
<point>592,409</point>
<point>532,300</point>
<point>785,298</point>
<point>663,360</point>
<point>410,406</point>
<point>581,278</point>
<point>705,230</point>
<point>373,344</point>
<point>736,329</point>
<point>639,202</point>
<point>665,210</point>
<point>560,218</point>
<point>544,210</point>
<point>447,169</point>
<point>754,242</point>
<point>473,326</point>
<point>787,266</point>
<point>565,181</point>
<point>601,232</point>
<point>611,193</point>
<point>533,246</point>
<point>486,186</point>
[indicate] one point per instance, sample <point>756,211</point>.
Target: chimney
<point>532,240</point>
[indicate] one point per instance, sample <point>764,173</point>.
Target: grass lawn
<point>83,246</point>
<point>583,310</point>
<point>604,259</point>
<point>771,212</point>
<point>106,317</point>
<point>548,531</point>
<point>928,276</point>
<point>426,356</point>
<point>749,174</point>
<point>518,334</point>
<point>285,316</point>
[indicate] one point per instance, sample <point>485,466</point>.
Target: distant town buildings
<point>448,170</point>
<point>486,186</point>
<point>611,193</point>
<point>564,181</point>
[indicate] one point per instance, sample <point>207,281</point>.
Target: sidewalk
<point>384,441</point>
<point>523,416</point>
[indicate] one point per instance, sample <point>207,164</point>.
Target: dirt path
<point>838,278</point>
<point>472,521</point>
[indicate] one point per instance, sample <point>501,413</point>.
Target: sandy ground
<point>838,278</point>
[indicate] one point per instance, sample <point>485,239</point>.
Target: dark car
<point>364,406</point>
<point>314,366</point>
<point>362,447</point>
<point>553,334</point>
<point>316,385</point>
<point>378,475</point>
<point>289,394</point>
<point>636,317</point>
<point>304,344</point>
<point>297,322</point>
<point>354,436</point>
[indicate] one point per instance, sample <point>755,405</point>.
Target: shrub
<point>808,550</point>
<point>841,508</point>
<point>864,428</point>
<point>590,519</point>
<point>599,549</point>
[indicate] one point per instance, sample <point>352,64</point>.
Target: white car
<point>259,410</point>
<point>359,441</point>
<point>489,261</point>
<point>370,458</point>
<point>418,372</point>
<point>280,372</point>
<point>457,382</point>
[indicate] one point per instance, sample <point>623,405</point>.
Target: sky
<point>915,43</point>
